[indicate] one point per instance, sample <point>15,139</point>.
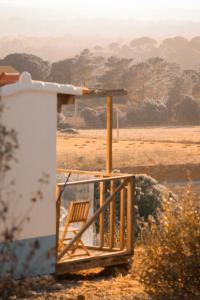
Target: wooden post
<point>130,216</point>
<point>101,216</point>
<point>109,135</point>
<point>112,216</point>
<point>122,218</point>
<point>117,125</point>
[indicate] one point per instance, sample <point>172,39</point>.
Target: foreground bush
<point>171,261</point>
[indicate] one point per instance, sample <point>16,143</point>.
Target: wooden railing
<point>121,187</point>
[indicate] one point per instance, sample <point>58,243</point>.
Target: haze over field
<point>82,24</point>
<point>105,18</point>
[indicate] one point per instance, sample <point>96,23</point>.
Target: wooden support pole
<point>112,216</point>
<point>109,135</point>
<point>122,218</point>
<point>130,216</point>
<point>101,217</point>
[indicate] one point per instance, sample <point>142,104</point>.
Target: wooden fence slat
<point>112,216</point>
<point>122,218</point>
<point>130,217</point>
<point>101,217</point>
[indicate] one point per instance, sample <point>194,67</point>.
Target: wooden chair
<point>78,213</point>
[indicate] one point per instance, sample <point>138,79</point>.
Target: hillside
<point>178,49</point>
<point>159,92</point>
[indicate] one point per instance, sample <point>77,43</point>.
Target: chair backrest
<point>78,211</point>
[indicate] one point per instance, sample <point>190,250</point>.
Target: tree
<point>184,85</point>
<point>142,42</point>
<point>151,112</point>
<point>188,111</point>
<point>83,68</point>
<point>61,71</point>
<point>114,72</point>
<point>37,67</point>
<point>150,79</point>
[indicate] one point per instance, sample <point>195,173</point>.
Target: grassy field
<point>136,148</point>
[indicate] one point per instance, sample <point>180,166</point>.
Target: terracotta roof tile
<point>8,78</point>
<point>7,69</point>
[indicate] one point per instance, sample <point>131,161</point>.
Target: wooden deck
<point>98,258</point>
<point>121,187</point>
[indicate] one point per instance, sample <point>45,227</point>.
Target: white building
<point>30,108</point>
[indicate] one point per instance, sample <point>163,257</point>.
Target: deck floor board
<point>79,255</point>
<point>98,258</point>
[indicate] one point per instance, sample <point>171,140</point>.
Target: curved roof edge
<point>26,83</point>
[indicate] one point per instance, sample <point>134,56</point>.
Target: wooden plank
<point>130,216</point>
<point>101,217</point>
<point>93,262</point>
<point>96,180</point>
<point>104,93</point>
<point>109,135</point>
<point>79,172</point>
<point>92,219</point>
<point>103,174</point>
<point>112,216</point>
<point>104,249</point>
<point>122,218</point>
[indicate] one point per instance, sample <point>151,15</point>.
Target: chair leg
<point>84,247</point>
<point>79,242</point>
<point>61,241</point>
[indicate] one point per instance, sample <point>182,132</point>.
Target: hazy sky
<point>106,18</point>
<point>125,9</point>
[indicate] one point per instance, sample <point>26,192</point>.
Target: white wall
<point>33,116</point>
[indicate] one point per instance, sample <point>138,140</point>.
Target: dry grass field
<point>135,148</point>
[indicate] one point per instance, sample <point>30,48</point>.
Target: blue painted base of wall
<point>28,257</point>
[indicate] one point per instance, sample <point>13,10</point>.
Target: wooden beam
<point>101,217</point>
<point>95,173</point>
<point>104,93</point>
<point>130,216</point>
<point>110,259</point>
<point>64,99</point>
<point>122,218</point>
<point>91,220</point>
<point>112,216</point>
<point>109,135</point>
<point>104,249</point>
<point>96,180</point>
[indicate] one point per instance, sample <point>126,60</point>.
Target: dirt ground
<point>136,147</point>
<point>89,285</point>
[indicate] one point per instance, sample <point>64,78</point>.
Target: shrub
<point>150,112</point>
<point>171,260</point>
<point>188,111</point>
<point>148,195</point>
<point>154,112</point>
<point>36,66</point>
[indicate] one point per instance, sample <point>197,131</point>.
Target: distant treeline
<point>185,52</point>
<point>159,92</point>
